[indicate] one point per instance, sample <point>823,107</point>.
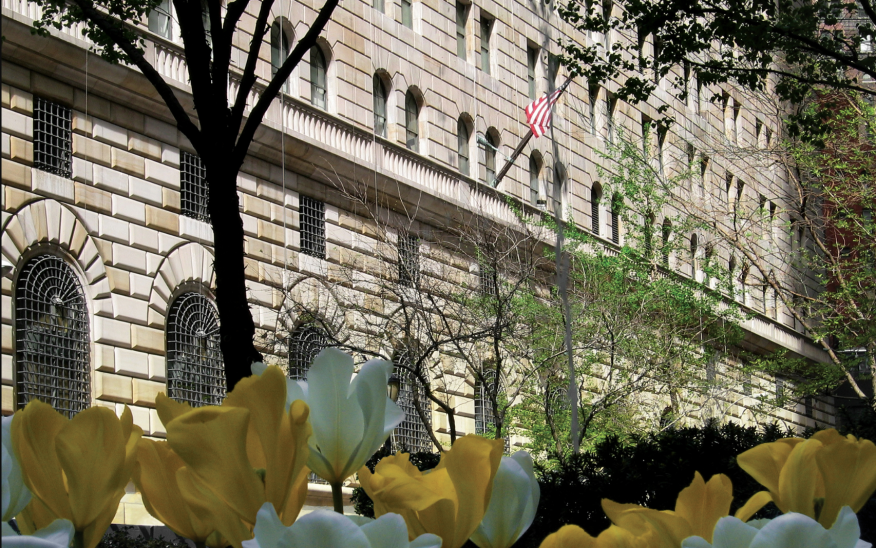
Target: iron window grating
<point>484,415</point>
<point>312,215</point>
<point>411,435</point>
<point>408,260</point>
<point>195,372</point>
<point>193,187</point>
<point>52,137</point>
<point>487,278</point>
<point>52,343</point>
<point>304,345</point>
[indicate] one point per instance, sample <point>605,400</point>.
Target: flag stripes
<point>538,112</point>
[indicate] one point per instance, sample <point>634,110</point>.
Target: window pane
<point>408,260</point>
<point>461,19</point>
<point>52,137</point>
<point>412,435</point>
<point>379,6</point>
<point>317,78</point>
<point>312,219</point>
<point>407,14</point>
<point>379,107</point>
<point>533,181</point>
<point>304,345</point>
<point>486,28</point>
<point>195,373</point>
<point>193,187</point>
<point>412,123</point>
<point>531,60</point>
<point>462,146</point>
<point>491,160</point>
<point>159,20</point>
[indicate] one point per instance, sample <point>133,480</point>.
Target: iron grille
<point>52,137</point>
<point>51,329</point>
<point>312,214</point>
<point>487,278</point>
<point>195,373</point>
<point>193,186</point>
<point>615,226</point>
<point>595,198</point>
<point>412,435</point>
<point>484,416</point>
<point>304,345</point>
<point>408,261</point>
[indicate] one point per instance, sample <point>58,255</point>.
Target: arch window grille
<point>51,335</point>
<point>193,187</point>
<point>312,227</point>
<point>318,87</point>
<point>463,137</point>
<point>195,373</point>
<point>52,137</point>
<point>304,345</point>
<point>412,435</point>
<point>534,169</point>
<point>280,47</point>
<point>595,198</point>
<point>379,107</point>
<point>485,418</point>
<point>412,122</point>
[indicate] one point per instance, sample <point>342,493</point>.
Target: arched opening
<point>381,93</point>
<point>195,373</point>
<point>318,81</point>
<point>281,45</point>
<point>412,434</point>
<point>463,144</point>
<point>412,121</point>
<point>595,200</point>
<point>666,236</point>
<point>304,345</point>
<point>534,180</point>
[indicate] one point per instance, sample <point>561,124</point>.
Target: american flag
<point>538,112</point>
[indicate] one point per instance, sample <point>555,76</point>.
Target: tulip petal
<point>753,505</point>
<point>427,540</point>
<point>472,466</point>
<point>326,530</point>
<point>703,504</point>
<point>848,467</point>
<point>387,531</point>
<point>846,531</point>
<point>506,517</point>
<point>793,530</point>
<point>58,534</point>
<point>209,508</point>
<point>15,494</point>
<point>696,542</point>
<point>799,479</point>
<point>667,526</point>
<point>731,532</point>
<point>169,409</point>
<point>381,415</point>
<point>765,462</point>
<point>269,530</point>
<point>569,536</point>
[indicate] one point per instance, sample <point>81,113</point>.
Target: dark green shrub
<point>132,536</point>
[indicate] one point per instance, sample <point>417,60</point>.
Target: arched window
<point>412,122</point>
<point>379,106</point>
<point>412,435</point>
<point>734,279</point>
<point>666,235</point>
<point>694,257</point>
<point>280,47</point>
<point>462,145</point>
<point>616,202</point>
<point>195,373</point>
<point>317,78</point>
<point>534,184</point>
<point>304,345</point>
<point>595,199</point>
<point>649,236</point>
<point>490,157</point>
<point>51,336</point>
<point>560,189</point>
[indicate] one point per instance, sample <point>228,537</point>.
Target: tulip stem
<point>338,497</point>
<point>78,539</point>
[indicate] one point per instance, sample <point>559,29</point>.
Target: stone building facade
<point>107,261</point>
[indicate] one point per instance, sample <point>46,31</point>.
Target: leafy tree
<point>221,132</point>
<point>782,45</point>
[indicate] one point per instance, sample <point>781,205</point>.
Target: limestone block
<point>162,220</point>
<point>256,206</point>
<point>145,191</point>
<point>113,229</point>
<point>104,358</point>
<point>128,163</point>
<point>5,96</point>
<point>162,174</point>
<point>250,225</point>
<point>130,309</point>
<point>112,332</point>
<point>7,369</point>
<point>140,416</point>
<point>128,209</point>
<point>5,145</point>
<point>119,280</point>
<point>21,150</point>
<point>170,199</point>
<point>132,363</point>
<point>91,150</point>
<point>128,118</point>
<point>8,395</point>
<point>115,388</point>
<point>110,179</point>
<point>162,131</point>
<point>82,124</point>
<point>256,249</point>
<point>129,258</point>
<point>169,155</point>
<point>155,319</point>
<point>247,183</point>
<point>144,238</point>
<point>83,170</point>
<point>92,198</point>
<point>15,174</point>
<point>21,101</point>
<point>144,146</point>
<point>155,424</point>
<point>166,242</point>
<point>146,391</point>
<point>195,230</point>
<point>16,75</point>
<point>51,89</point>
<point>270,232</point>
<point>157,368</point>
<point>147,339</point>
<point>17,124</point>
<point>140,285</point>
<point>55,186</point>
<point>111,134</point>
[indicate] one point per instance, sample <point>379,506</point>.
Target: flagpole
<point>522,144</point>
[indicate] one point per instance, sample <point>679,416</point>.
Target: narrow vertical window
<point>533,180</point>
<point>462,144</point>
<point>490,158</point>
<point>487,276</point>
<point>666,234</point>
<point>649,236</point>
<point>486,31</point>
<point>160,20</point>
<point>461,21</point>
<point>51,337</point>
<point>615,218</point>
<point>610,107</point>
<point>380,6</point>
<point>379,106</point>
<point>531,62</point>
<point>594,98</point>
<point>193,187</point>
<point>52,137</point>
<point>279,51</point>
<point>607,7</point>
<point>408,260</point>
<point>304,345</point>
<point>595,198</point>
<point>412,434</point>
<point>317,78</point>
<point>407,13</point>
<point>312,229</point>
<point>412,122</point>
<point>694,257</point>
<point>195,373</point>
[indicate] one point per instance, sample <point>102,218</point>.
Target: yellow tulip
<point>241,455</point>
<point>156,480</point>
<point>697,509</point>
<point>449,501</point>
<point>76,469</point>
<point>814,477</point>
<point>572,536</point>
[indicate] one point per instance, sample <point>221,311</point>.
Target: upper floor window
<point>531,64</point>
<point>52,137</point>
<point>280,47</point>
<point>666,234</point>
<point>407,10</point>
<point>486,35</point>
<point>534,184</point>
<point>463,136</point>
<point>461,22</point>
<point>193,187</point>
<point>408,260</point>
<point>195,373</point>
<point>51,337</point>
<point>304,345</point>
<point>379,106</point>
<point>594,97</point>
<point>380,6</point>
<point>318,89</point>
<point>595,199</point>
<point>412,122</point>
<point>610,108</point>
<point>616,204</point>
<point>312,218</point>
<point>490,149</point>
<point>160,20</point>
<point>607,8</point>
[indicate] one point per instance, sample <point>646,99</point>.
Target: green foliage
<point>362,503</point>
<point>138,537</point>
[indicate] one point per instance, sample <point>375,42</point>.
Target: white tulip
<point>323,529</point>
<point>58,534</point>
<point>790,530</point>
<point>512,504</point>
<point>15,494</point>
<point>350,420</point>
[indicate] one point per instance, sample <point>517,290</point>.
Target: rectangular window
<point>594,98</point>
<point>160,21</point>
<point>312,216</point>
<point>380,6</point>
<point>408,260</point>
<point>780,390</point>
<point>746,383</point>
<point>610,107</point>
<point>531,62</point>
<point>407,13</point>
<point>193,187</point>
<point>461,20</point>
<point>487,277</point>
<point>486,32</point>
<point>52,137</point>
